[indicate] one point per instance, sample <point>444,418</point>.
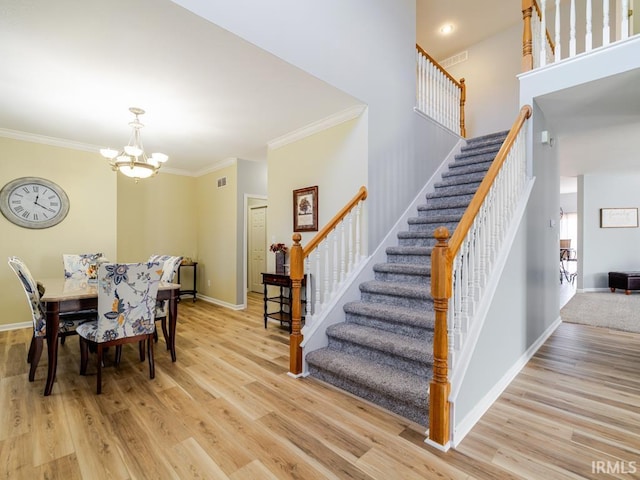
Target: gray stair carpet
<point>383,351</point>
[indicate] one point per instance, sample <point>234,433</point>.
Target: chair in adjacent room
<point>126,313</point>
<point>68,323</point>
<point>170,265</point>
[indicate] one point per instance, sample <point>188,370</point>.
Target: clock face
<point>33,202</point>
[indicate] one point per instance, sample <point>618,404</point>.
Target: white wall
<point>363,47</point>
<point>607,249</point>
<point>492,86</point>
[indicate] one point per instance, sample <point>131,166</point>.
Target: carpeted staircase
<point>383,352</point>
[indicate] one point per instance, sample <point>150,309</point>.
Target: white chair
<point>67,326</point>
<point>170,265</point>
<point>126,313</point>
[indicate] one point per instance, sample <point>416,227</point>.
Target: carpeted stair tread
<point>392,382</point>
<point>488,138</point>
<point>410,316</point>
<point>413,349</point>
<point>438,219</point>
<point>407,268</point>
<point>480,162</point>
<point>449,178</point>
<point>476,150</point>
<point>397,289</point>
<point>453,190</point>
<point>408,250</point>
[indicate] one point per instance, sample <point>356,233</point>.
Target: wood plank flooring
<point>228,410</point>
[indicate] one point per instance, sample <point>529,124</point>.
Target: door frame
<point>245,243</point>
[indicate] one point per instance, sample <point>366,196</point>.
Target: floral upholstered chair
<point>82,265</point>
<point>67,326</point>
<point>126,312</point>
<point>170,267</point>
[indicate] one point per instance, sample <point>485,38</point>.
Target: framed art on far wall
<point>618,218</point>
<point>305,209</point>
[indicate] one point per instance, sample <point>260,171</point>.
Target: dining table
<point>75,295</point>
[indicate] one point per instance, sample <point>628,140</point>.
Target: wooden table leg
<point>173,319</point>
<point>53,325</point>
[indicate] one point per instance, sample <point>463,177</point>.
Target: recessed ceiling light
<point>446,29</point>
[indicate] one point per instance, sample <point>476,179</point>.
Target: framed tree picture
<point>305,209</point>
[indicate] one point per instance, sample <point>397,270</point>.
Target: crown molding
<point>227,162</point>
<point>318,126</point>
<point>53,141</point>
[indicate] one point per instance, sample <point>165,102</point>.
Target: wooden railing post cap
<point>441,234</point>
<point>296,237</point>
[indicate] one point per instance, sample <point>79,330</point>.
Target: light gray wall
<point>252,180</point>
<point>606,249</point>
<point>569,202</point>
<point>363,47</point>
<point>492,86</point>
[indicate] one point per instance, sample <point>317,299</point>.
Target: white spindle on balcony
<point>588,38</point>
<point>606,33</point>
<point>624,30</point>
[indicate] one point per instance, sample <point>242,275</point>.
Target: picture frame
<point>618,218</point>
<point>305,209</point>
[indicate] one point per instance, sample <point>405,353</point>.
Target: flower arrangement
<point>278,248</point>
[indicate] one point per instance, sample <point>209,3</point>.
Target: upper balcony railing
<point>438,94</point>
<point>550,25</point>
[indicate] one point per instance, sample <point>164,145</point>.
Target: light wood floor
<point>227,409</point>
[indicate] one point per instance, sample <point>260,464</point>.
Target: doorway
<point>256,245</point>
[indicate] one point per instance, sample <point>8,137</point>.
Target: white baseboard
<point>443,448</point>
<point>465,426</point>
<point>587,290</point>
<point>215,301</point>
<point>15,326</point>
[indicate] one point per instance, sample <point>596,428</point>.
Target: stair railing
<point>438,94</point>
<point>327,259</point>
<point>462,265</point>
<point>539,50</point>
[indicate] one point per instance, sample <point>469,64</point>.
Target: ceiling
<point>71,70</point>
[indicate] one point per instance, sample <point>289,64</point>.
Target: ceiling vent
<point>455,59</point>
<point>222,182</point>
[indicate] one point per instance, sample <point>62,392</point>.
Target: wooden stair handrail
<point>460,84</point>
<point>441,288</point>
<point>296,260</point>
<point>322,234</point>
<point>483,190</point>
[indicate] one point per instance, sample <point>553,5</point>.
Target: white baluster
<point>543,33</point>
<point>358,246</point>
<point>572,29</point>
<point>606,32</point>
<point>308,290</point>
<point>588,38</point>
<point>343,253</point>
<point>334,234</point>
<point>350,263</point>
<point>624,29</point>
<point>317,282</point>
<point>557,38</point>
<point>327,272</point>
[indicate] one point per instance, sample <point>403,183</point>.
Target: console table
<point>194,265</point>
<point>283,300</point>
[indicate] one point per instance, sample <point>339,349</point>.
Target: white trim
<point>436,123</point>
<point>227,162</point>
<point>483,405</point>
<point>296,375</point>
<point>443,448</point>
<point>215,301</point>
<point>15,326</point>
<point>245,240</point>
<point>318,126</point>
<point>53,141</point>
<point>587,290</point>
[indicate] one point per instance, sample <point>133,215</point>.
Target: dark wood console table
<point>283,300</point>
<point>193,290</point>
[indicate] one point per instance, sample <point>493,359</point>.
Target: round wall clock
<point>33,202</point>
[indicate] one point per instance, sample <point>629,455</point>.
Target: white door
<point>257,247</point>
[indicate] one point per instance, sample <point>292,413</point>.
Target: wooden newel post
<point>439,418</point>
<point>527,37</point>
<point>296,259</point>
<point>463,99</point>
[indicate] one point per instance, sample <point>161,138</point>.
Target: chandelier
<point>132,161</point>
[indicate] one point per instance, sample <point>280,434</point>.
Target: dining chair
<point>170,265</point>
<point>68,323</point>
<point>126,313</point>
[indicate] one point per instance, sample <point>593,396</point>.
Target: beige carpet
<point>604,309</point>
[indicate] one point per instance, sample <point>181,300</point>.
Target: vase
<point>280,262</point>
